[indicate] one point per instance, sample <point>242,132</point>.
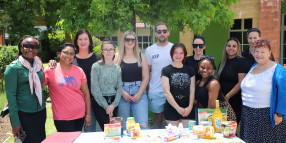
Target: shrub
<point>7,55</point>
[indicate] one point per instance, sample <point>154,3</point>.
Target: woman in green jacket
<point>23,79</point>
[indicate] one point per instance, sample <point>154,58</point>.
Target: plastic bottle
<point>217,118</point>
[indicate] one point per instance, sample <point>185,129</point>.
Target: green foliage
<point>50,43</point>
<point>74,15</point>
<point>7,55</point>
<point>97,49</point>
<point>18,18</point>
<point>109,16</point>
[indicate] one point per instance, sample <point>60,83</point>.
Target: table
<point>98,137</point>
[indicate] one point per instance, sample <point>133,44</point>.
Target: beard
<point>163,40</point>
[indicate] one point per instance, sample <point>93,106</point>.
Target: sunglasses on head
<point>198,45</point>
<point>210,58</point>
<point>130,40</point>
<point>30,46</point>
<point>160,31</point>
<point>254,30</point>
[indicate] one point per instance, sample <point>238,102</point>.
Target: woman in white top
<point>264,99</point>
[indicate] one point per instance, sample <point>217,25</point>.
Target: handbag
<point>224,104</point>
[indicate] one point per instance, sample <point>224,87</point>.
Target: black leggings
<point>34,125</point>
<point>69,125</point>
<point>100,113</point>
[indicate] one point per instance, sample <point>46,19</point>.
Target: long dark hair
<point>83,31</point>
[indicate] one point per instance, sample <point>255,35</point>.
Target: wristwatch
<point>279,115</point>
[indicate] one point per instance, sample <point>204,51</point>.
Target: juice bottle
<point>217,118</point>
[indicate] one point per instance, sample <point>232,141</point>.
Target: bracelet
<point>88,116</point>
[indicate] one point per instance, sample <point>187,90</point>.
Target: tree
<point>111,15</point>
<point>18,17</point>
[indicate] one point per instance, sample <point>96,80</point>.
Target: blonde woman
<point>232,70</point>
<point>135,77</point>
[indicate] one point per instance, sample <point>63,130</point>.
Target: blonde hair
<point>225,56</point>
<point>121,48</point>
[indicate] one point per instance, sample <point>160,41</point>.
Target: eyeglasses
<point>30,46</point>
<point>160,31</point>
<point>198,45</point>
<point>108,50</point>
<point>130,40</point>
<point>68,54</point>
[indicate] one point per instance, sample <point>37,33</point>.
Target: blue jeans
<point>139,109</point>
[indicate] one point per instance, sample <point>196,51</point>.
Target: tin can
<point>229,128</point>
<point>206,123</point>
<point>191,124</point>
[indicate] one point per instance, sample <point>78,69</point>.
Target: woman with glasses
<point>178,82</point>
<point>263,97</point>
<point>106,84</point>
<point>27,105</point>
<point>84,58</point>
<point>199,47</point>
<point>232,70</point>
<point>135,77</point>
<point>69,92</point>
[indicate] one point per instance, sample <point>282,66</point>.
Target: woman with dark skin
<point>23,79</point>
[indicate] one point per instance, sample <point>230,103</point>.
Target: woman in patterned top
<point>106,84</point>
<point>178,82</point>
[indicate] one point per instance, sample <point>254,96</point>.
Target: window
<point>283,38</point>
<point>239,31</point>
<point>144,42</point>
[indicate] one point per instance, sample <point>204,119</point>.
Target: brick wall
<point>245,9</point>
<point>269,24</point>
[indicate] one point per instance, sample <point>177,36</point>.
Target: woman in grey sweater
<point>106,84</point>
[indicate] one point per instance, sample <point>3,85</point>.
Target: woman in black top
<point>85,59</point>
<point>135,77</point>
<point>232,70</point>
<point>199,46</point>
<point>207,89</point>
<point>178,82</point>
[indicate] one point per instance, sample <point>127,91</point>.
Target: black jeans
<point>34,125</point>
<point>100,114</point>
<point>69,125</point>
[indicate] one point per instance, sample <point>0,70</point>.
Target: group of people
<point>86,88</point>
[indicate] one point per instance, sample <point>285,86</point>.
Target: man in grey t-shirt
<point>158,56</point>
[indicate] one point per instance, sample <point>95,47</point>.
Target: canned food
<point>229,128</point>
<point>191,124</point>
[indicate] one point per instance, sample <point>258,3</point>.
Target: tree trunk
<point>134,19</point>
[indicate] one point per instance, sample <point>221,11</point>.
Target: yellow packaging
<point>217,118</point>
<point>136,132</point>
